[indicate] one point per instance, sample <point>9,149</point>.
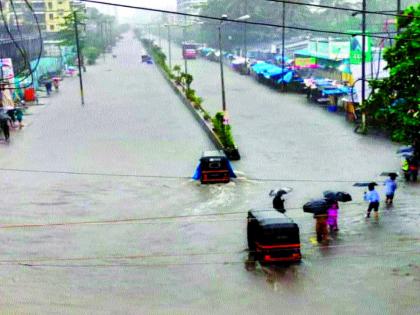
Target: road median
<point>221,137</point>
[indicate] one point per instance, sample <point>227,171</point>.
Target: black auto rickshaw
<point>273,237</point>
<point>146,58</point>
<point>214,167</point>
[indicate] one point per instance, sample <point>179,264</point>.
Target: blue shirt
<point>372,196</point>
<point>390,186</point>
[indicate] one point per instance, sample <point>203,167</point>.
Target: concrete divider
<point>232,154</point>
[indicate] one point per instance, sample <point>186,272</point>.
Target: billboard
<point>6,69</point>
<point>356,50</point>
<point>305,62</point>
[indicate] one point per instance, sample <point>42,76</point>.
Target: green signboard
<point>356,50</point>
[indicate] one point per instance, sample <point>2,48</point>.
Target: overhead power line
<point>236,21</point>
<point>144,176</point>
<point>322,6</point>
<point>198,218</point>
<point>225,262</point>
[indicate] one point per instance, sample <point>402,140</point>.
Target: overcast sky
<point>156,4</point>
<point>127,13</point>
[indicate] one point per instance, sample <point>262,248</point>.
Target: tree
<point>96,32</point>
<point>261,11</point>
<point>395,102</point>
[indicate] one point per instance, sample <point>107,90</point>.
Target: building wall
<point>50,13</point>
<point>55,11</point>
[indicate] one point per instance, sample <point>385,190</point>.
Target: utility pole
<point>283,34</point>
<point>169,47</point>
<point>76,30</point>
<point>221,69</point>
<point>363,65</point>
<point>160,36</point>
<point>398,12</point>
<point>245,32</point>
<point>183,35</point>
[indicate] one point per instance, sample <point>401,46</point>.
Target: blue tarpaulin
<point>286,78</point>
<point>273,72</point>
<point>261,66</point>
<point>333,92</point>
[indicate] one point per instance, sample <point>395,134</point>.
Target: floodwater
<point>99,214</point>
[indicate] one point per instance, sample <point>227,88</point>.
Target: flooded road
<point>99,214</point>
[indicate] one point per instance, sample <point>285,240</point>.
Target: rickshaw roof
<point>213,154</point>
<point>271,218</point>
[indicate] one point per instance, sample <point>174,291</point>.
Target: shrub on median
<point>223,131</point>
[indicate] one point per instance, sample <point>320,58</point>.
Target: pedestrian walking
<point>373,197</point>
<point>4,125</point>
<point>390,188</point>
<point>48,87</point>
<point>56,83</point>
<point>321,227</point>
<point>332,219</point>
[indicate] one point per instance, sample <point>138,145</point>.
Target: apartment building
<point>50,13</point>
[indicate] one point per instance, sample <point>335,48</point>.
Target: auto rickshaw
<point>146,58</point>
<point>273,237</point>
<point>214,167</point>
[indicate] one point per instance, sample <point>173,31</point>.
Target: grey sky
<point>129,13</point>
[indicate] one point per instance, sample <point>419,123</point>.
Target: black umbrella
<point>393,174</point>
<point>364,184</point>
<point>337,196</point>
<point>280,192</point>
<point>278,201</point>
<point>317,206</point>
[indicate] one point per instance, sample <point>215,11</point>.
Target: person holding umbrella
<point>278,201</point>
<point>334,197</point>
<point>390,188</point>
<point>373,197</point>
<point>332,219</point>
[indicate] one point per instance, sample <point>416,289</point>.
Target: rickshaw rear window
<point>285,236</point>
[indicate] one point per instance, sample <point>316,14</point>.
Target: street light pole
<point>160,37</point>
<point>76,30</point>
<point>283,34</point>
<point>169,46</point>
<point>183,35</point>
<point>245,32</point>
<point>363,63</point>
<point>221,65</point>
<point>398,12</point>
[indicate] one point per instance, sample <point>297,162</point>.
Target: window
<point>52,27</point>
<point>50,6</point>
<point>51,16</point>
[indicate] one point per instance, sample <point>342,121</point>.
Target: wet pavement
<point>116,226</point>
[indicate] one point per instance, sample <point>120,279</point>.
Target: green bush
<point>223,131</point>
<point>206,115</point>
<point>190,94</point>
<point>91,53</point>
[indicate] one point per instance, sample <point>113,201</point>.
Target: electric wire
<point>323,6</point>
<point>144,176</point>
<point>23,54</point>
<point>225,262</point>
<point>152,220</point>
<point>232,20</point>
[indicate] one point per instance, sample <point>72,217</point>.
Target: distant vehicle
<point>146,58</point>
<point>273,237</point>
<point>189,50</point>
